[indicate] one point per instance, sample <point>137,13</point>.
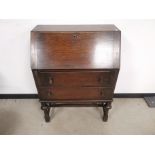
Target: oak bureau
<point>75,65</point>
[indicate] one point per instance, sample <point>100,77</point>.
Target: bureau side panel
<point>33,51</point>
<point>117,49</point>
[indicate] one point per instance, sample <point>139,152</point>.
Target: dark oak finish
<point>75,49</point>
<point>75,65</point>
<point>76,78</point>
<point>75,93</point>
<point>75,28</point>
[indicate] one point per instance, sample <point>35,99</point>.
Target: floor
<point>128,116</point>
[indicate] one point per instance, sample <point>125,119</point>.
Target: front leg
<point>46,108</point>
<point>106,107</point>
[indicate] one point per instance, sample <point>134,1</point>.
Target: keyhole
<point>75,36</point>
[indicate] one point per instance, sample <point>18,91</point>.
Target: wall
<point>137,74</point>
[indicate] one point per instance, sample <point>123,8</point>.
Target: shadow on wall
<point>8,122</point>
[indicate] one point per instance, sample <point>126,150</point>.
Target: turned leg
<point>46,108</point>
<point>106,107</point>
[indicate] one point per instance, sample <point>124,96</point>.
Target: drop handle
<point>49,93</point>
<point>50,80</point>
<point>100,80</point>
<point>101,92</point>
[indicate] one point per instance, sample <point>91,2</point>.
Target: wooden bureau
<point>75,65</point>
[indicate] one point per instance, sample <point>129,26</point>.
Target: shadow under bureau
<point>75,65</point>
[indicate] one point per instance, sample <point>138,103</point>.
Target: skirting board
<point>35,96</point>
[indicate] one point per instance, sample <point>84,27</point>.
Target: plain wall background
<point>137,74</point>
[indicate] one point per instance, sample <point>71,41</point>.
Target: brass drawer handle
<point>49,93</point>
<point>100,79</point>
<point>103,80</point>
<point>101,92</point>
<point>50,80</point>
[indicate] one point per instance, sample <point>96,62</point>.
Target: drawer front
<point>85,93</point>
<point>87,78</point>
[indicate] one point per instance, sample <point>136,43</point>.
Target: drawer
<point>83,78</point>
<point>78,93</point>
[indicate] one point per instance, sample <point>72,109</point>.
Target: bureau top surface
<point>65,28</point>
<point>75,47</point>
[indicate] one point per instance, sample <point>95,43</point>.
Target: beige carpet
<point>128,116</point>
